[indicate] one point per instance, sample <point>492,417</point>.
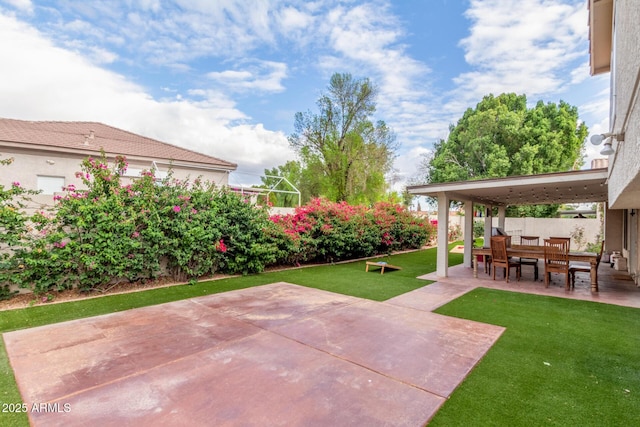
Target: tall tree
<point>502,137</point>
<point>347,153</point>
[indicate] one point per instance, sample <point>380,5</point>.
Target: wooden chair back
<point>530,240</point>
<point>499,248</point>
<point>556,252</point>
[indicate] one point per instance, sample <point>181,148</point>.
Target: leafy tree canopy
<point>345,154</point>
<point>502,137</point>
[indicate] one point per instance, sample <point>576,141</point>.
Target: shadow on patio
<point>615,287</point>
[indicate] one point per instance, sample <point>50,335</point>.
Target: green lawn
<point>346,278</point>
<point>559,363</point>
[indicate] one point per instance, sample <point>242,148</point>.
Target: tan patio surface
<point>277,354</point>
<point>615,287</point>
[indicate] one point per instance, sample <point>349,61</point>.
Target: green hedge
<point>112,233</point>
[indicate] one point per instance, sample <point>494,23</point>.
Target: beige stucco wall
<point>624,179</point>
<point>624,169</point>
<point>613,230</point>
<point>542,227</point>
<point>27,165</point>
<point>274,210</point>
<point>553,227</point>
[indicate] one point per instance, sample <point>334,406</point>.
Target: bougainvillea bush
<point>328,231</point>
<point>14,225</point>
<point>111,233</point>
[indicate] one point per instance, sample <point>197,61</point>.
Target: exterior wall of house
<point>624,169</point>
<point>28,165</point>
<point>624,179</point>
<point>613,230</point>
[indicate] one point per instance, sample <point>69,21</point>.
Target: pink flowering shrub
<point>114,232</point>
<point>329,231</point>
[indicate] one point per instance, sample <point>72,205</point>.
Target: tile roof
<point>92,136</point>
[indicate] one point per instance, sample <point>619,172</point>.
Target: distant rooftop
<point>94,136</point>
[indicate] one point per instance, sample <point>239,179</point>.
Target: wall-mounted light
<point>50,162</point>
<point>633,212</point>
<point>607,150</point>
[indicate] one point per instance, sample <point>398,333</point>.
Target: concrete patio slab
<point>65,358</point>
<point>427,350</point>
<point>272,306</point>
<point>428,298</point>
<point>277,354</point>
<point>264,379</point>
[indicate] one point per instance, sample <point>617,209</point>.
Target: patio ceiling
<point>584,186</point>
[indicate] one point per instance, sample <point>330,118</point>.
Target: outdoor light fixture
<point>606,137</point>
<point>607,150</point>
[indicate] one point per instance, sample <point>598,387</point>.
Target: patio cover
<point>583,186</point>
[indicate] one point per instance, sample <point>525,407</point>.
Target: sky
<point>226,77</point>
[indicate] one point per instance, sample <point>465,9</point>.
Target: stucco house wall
<point>624,164</point>
<point>624,179</point>
<point>613,230</point>
<point>41,155</point>
<point>28,166</point>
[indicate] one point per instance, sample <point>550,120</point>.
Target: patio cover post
<point>443,235</point>
<point>487,225</point>
<point>468,232</point>
<point>502,213</point>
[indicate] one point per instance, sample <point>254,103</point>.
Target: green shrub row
<point>112,233</point>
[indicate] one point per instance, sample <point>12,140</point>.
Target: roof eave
<point>83,151</point>
<point>600,35</point>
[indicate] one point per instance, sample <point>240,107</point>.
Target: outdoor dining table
<point>538,252</point>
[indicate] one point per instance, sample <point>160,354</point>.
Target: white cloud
<point>44,82</point>
<point>407,165</point>
<point>22,5</point>
<point>293,20</point>
<point>264,76</point>
<point>522,46</point>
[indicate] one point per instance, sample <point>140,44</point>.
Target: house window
<point>50,184</point>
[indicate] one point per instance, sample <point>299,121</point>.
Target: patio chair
<point>556,259</point>
<point>530,241</point>
<point>487,258</point>
<point>583,268</point>
<point>499,257</point>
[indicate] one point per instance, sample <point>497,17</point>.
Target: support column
<point>487,226</point>
<point>468,233</point>
<point>442,263</point>
<point>502,213</point>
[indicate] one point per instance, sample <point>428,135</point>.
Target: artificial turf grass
<point>9,393</point>
<point>560,362</point>
<point>346,278</point>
